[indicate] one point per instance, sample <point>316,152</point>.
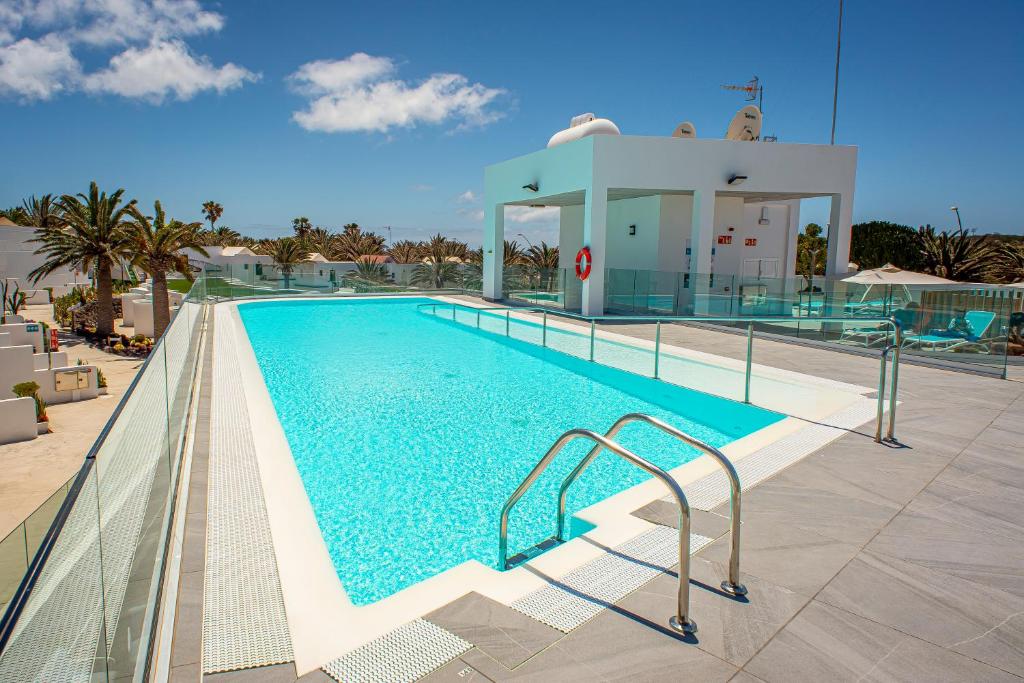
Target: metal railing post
<point>544,331</point>
<point>507,322</point>
<point>880,412</point>
<point>750,355</point>
<point>453,312</point>
<point>894,389</point>
<point>478,320</point>
<point>657,347</point>
<point>592,323</point>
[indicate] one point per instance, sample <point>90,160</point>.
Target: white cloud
<point>422,187</point>
<point>326,76</point>
<point>162,68</point>
<point>521,215</point>
<point>531,214</point>
<point>358,94</point>
<point>466,197</point>
<point>154,63</point>
<point>36,69</point>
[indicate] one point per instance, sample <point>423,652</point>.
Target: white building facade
<point>674,205</point>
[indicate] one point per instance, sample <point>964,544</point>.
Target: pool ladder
<point>681,622</point>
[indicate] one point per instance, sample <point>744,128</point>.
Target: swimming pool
<point>409,431</point>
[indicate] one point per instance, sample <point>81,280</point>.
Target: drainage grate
<point>580,595</point>
<point>711,491</point>
<point>406,654</point>
<point>244,623</point>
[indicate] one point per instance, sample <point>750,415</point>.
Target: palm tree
<point>41,212</point>
<point>212,211</point>
<point>353,243</point>
<point>1009,263</point>
<point>156,248</point>
<point>321,241</point>
<point>301,226</point>
<point>92,232</point>
<point>440,264</point>
<point>406,251</point>
<point>221,237</point>
<point>514,254</point>
<point>372,270</point>
<point>287,253</point>
<point>545,260</point>
<point>956,255</point>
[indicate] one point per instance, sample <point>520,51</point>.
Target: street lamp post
<point>956,210</point>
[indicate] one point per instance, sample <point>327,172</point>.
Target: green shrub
<point>31,390</point>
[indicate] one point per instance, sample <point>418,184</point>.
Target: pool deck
<point>863,561</point>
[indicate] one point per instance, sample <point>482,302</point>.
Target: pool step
<point>532,552</point>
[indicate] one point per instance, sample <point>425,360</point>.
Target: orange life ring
<point>583,263</point>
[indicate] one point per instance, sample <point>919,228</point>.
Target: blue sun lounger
<point>945,340</point>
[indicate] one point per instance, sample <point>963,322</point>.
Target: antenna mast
<point>753,89</point>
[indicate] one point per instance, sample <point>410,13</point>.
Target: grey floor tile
<point>998,511</point>
<point>662,512</point>
<point>824,643</point>
<point>315,676</point>
<point>277,673</point>
<point>729,629</point>
<point>456,671</point>
<point>188,621</point>
<point>787,502</point>
<point>508,636</point>
<point>936,538</point>
<point>784,555</point>
<point>188,673</point>
<point>745,677</point>
<point>614,647</point>
<point>967,617</point>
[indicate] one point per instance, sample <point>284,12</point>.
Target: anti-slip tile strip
<point>244,623</point>
<point>711,491</point>
<point>404,655</point>
<point>583,593</point>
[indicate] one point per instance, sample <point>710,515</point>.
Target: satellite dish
<point>685,130</point>
<point>746,125</point>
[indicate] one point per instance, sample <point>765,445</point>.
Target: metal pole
<point>835,91</point>
<point>657,347</point>
<point>750,355</point>
<point>506,323</point>
<point>592,341</point>
<point>544,331</point>
<point>894,389</point>
<point>453,312</point>
<point>478,320</point>
<point>881,396</point>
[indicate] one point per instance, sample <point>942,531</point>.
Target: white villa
<point>675,204</point>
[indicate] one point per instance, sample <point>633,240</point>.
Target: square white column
<point>702,239</point>
<point>494,250</point>
<point>840,224</point>
<point>595,219</point>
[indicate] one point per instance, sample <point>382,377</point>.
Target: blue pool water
<point>411,431</point>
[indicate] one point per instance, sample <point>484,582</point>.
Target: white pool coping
<point>323,622</point>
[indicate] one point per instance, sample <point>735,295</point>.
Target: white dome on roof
<point>593,127</point>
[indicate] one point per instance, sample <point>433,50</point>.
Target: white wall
<point>17,260</point>
<point>20,334</point>
<point>17,420</point>
<point>47,381</point>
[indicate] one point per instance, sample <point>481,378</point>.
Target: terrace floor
<point>863,561</point>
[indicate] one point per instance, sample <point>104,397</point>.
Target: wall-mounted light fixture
<point>763,220</point>
<point>632,230</point>
<point>737,179</point>
<point>532,187</point>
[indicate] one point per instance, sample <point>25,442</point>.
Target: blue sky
<point>263,106</point>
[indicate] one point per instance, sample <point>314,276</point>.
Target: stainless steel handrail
<point>894,325</point>
<point>681,621</point>
<point>732,584</point>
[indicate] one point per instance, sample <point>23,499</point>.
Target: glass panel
<point>61,632</point>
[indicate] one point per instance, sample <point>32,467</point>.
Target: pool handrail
<point>681,621</point>
<point>893,324</point>
<point>731,585</point>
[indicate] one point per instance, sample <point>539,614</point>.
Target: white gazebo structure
<point>676,204</point>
